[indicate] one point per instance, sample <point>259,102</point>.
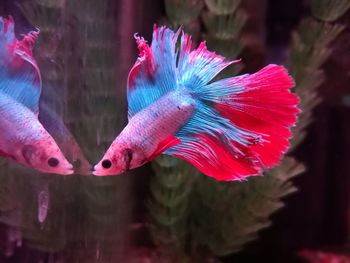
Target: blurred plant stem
<point>170,206</point>
<point>224,21</point>
<point>184,13</point>
<point>309,50</point>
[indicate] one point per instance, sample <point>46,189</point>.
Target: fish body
<point>229,129</point>
<point>22,136</point>
<point>149,129</point>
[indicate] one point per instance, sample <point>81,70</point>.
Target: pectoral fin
<point>165,144</point>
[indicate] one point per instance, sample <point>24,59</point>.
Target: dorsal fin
<point>19,72</point>
<point>163,67</point>
<point>154,72</point>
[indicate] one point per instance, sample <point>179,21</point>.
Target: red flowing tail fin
<point>242,124</point>
<point>267,107</point>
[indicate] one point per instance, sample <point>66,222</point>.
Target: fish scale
<point>147,128</point>
<point>15,117</point>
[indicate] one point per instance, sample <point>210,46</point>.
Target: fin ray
<point>153,74</point>
<point>162,67</point>
<point>19,73</point>
<point>242,124</point>
<point>166,143</point>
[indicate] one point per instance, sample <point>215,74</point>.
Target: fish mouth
<point>68,172</point>
<point>99,171</point>
<point>59,172</point>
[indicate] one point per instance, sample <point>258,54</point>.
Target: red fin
<point>266,106</point>
<point>144,66</point>
<point>24,48</point>
<point>259,109</point>
<point>165,144</point>
<point>215,159</point>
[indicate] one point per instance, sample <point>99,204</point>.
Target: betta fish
<point>22,137</point>
<point>229,129</point>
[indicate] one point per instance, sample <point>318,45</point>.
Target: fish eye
<point>53,162</point>
<point>106,164</point>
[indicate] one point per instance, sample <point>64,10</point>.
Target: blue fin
<point>197,67</point>
<point>19,74</point>
<point>208,121</point>
<point>154,73</point>
<point>216,146</point>
<point>164,67</point>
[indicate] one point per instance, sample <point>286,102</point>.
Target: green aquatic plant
<point>329,10</point>
<point>229,215</point>
<point>224,21</point>
<point>309,50</point>
<point>184,13</point>
<point>170,206</point>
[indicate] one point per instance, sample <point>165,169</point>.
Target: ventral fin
<point>19,73</point>
<point>165,144</point>
<point>216,158</point>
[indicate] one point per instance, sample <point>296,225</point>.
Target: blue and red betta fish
<point>229,129</point>
<point>23,137</point>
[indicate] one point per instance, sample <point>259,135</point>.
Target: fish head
<point>44,155</point>
<point>118,159</point>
